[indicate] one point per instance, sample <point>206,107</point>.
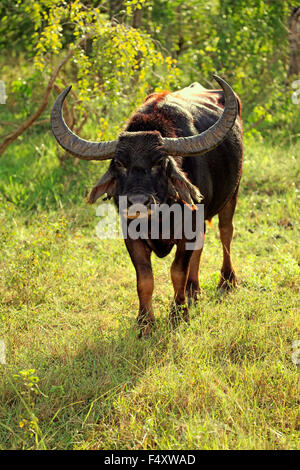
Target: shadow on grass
<point>81,385</point>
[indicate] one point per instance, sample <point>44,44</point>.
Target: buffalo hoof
<point>177,314</point>
<point>227,281</point>
<point>145,331</point>
<point>193,292</point>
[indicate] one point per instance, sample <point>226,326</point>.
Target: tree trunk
<point>137,18</point>
<point>29,122</point>
<point>294,37</point>
<point>180,40</point>
<point>114,7</point>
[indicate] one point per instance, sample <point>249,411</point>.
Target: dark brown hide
<point>147,166</point>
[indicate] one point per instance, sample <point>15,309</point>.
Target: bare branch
<point>26,124</point>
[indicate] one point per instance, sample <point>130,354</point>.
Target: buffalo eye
<point>120,165</point>
<point>158,164</point>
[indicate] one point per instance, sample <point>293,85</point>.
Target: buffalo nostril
<point>139,199</point>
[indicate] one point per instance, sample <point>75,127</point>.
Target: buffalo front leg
<point>179,274</point>
<point>228,278</point>
<point>193,286</point>
<point>140,255</point>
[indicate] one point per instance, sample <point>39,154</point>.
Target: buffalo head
<point>142,165</point>
<point>143,172</point>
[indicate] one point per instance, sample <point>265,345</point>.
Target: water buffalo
<point>184,147</point>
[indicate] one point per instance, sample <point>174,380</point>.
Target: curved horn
<point>72,143</point>
<point>213,136</point>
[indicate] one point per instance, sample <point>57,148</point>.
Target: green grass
<point>77,377</point>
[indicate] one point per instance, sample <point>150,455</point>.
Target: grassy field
<point>77,377</point>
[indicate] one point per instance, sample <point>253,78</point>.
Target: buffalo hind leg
<point>141,257</point>
<point>179,275</point>
<point>228,278</point>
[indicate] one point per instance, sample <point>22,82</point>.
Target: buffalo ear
<point>107,184</point>
<point>179,185</point>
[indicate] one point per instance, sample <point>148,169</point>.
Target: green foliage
<point>244,41</point>
<point>113,65</point>
<point>177,43</point>
<point>16,28</point>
